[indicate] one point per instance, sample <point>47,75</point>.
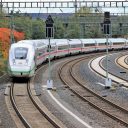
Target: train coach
<point>26,55</point>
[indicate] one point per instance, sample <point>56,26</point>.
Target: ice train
<point>26,55</point>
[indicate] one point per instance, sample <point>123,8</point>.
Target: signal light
<point>106,16</point>
<point>49,27</point>
<point>107,23</point>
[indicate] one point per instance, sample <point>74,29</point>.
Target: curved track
<point>28,109</point>
<point>122,61</point>
<point>79,88</point>
<point>23,106</point>
<point>102,72</point>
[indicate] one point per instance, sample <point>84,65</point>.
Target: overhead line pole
<point>107,32</point>
<point>12,40</point>
<point>49,34</point>
<point>1,6</point>
<point>75,7</point>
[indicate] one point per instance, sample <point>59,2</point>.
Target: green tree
<point>59,28</point>
<point>87,30</point>
<point>93,32</point>
<point>4,21</point>
<point>73,31</point>
<point>38,29</point>
<point>23,24</point>
<point>75,28</point>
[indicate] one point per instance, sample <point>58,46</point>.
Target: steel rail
<point>125,60</point>
<point>100,64</point>
<point>93,93</point>
<point>26,124</point>
<point>43,110</point>
<point>24,121</point>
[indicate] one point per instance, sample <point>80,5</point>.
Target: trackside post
<point>107,32</point>
<point>49,34</point>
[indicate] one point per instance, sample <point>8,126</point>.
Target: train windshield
<point>21,53</point>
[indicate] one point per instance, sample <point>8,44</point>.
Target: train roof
<point>74,41</point>
<point>117,40</point>
<point>88,41</point>
<point>20,44</point>
<point>102,40</point>
<point>59,42</point>
<point>34,43</point>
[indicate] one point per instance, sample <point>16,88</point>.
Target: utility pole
<point>124,10</point>
<point>49,34</point>
<point>107,36</point>
<point>75,5</point>
<point>11,28</point>
<point>1,6</point>
<point>107,32</point>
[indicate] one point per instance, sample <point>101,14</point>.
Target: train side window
<point>62,47</point>
<point>87,45</point>
<point>52,48</point>
<point>75,45</point>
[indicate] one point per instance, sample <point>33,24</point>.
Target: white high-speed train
<point>26,55</point>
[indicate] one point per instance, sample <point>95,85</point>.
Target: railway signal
<point>49,34</point>
<point>107,23</point>
<point>107,32</point>
<point>49,27</point>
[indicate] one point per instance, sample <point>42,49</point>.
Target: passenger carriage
<point>40,51</point>
<point>75,46</point>
<point>118,43</point>
<point>101,44</point>
<point>62,47</point>
<point>26,55</point>
<point>88,45</point>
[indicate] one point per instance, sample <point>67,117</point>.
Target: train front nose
<point>19,67</point>
<point>20,71</point>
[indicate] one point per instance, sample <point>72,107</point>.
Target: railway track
<point>124,81</point>
<point>124,62</point>
<point>31,112</point>
<point>4,78</point>
<point>78,86</point>
<point>26,103</point>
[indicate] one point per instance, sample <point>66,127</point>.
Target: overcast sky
<point>64,10</point>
